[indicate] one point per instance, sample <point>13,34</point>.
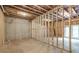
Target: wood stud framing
<point>45,29</point>
<point>70,50</point>
<point>62,29</point>
<point>52,29</point>
<point>47,25</point>
<point>57,26</point>
<point>48,38</point>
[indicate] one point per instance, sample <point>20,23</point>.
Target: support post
<point>70,49</point>
<point>63,28</point>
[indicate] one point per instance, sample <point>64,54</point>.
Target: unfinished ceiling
<point>26,11</point>
<point>32,11</point>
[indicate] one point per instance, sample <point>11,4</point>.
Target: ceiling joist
<point>33,9</point>
<point>25,10</point>
<point>41,8</point>
<point>49,7</point>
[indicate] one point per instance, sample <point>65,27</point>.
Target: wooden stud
<point>39,20</point>
<point>42,20</point>
<point>57,26</point>
<point>35,29</point>
<point>63,29</point>
<point>15,28</point>
<point>48,28</point>
<point>40,25</point>
<point>70,49</point>
<point>47,17</point>
<point>52,28</point>
<point>5,40</point>
<point>38,28</point>
<point>41,28</point>
<point>45,28</point>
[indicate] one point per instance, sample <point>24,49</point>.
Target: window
<point>75,31</point>
<point>66,31</point>
<point>74,38</point>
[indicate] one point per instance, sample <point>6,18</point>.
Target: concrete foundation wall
<point>17,28</point>
<point>2,28</point>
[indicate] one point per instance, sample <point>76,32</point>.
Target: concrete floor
<point>28,46</point>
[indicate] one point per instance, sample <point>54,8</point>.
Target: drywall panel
<point>17,28</point>
<point>2,28</point>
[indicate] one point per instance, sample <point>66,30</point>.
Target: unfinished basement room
<point>39,28</point>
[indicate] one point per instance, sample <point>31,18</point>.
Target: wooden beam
<point>58,16</point>
<point>2,7</point>
<point>65,11</point>
<point>49,7</point>
<point>53,6</point>
<point>54,9</point>
<point>35,10</point>
<point>73,11</point>
<point>41,8</point>
<point>25,10</point>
